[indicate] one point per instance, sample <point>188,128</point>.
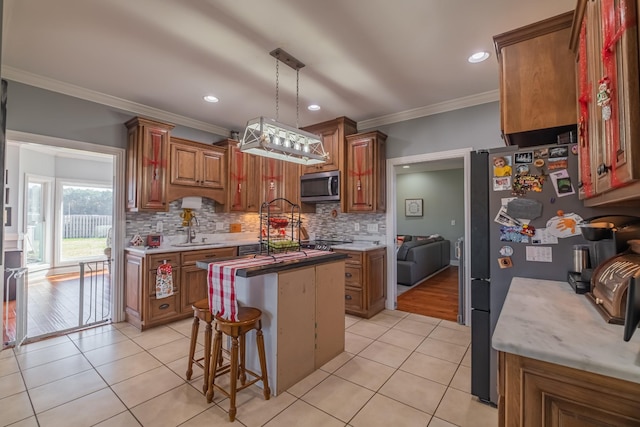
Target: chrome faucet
<point>191,233</point>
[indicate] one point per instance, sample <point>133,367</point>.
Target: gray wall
<point>43,112</point>
<point>443,201</point>
<point>476,127</point>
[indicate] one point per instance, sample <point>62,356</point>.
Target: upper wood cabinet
<point>197,170</point>
<point>147,162</point>
<point>243,176</point>
<point>366,172</point>
<point>537,77</point>
<point>608,101</point>
<point>332,133</point>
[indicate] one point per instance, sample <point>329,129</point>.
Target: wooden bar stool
<point>249,318</point>
<point>200,312</point>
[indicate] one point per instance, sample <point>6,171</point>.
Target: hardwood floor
<point>435,297</point>
<point>53,304</point>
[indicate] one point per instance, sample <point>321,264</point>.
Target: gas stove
<point>324,244</point>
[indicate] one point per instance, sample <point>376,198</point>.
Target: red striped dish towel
<point>221,278</point>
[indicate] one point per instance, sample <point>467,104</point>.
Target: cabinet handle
<point>602,169</point>
<point>163,306</point>
<point>347,275</point>
<point>211,256</point>
<point>348,297</point>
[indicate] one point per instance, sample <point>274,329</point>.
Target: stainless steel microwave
<point>320,187</point>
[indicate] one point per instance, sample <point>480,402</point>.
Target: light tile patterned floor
<point>399,369</point>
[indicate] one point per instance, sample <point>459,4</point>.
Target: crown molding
<point>20,76</point>
<point>443,107</point>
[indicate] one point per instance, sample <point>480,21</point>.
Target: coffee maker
<point>606,237</point>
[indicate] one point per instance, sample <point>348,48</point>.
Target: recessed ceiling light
<point>478,57</point>
<point>211,98</point>
<point>406,167</point>
<point>313,107</point>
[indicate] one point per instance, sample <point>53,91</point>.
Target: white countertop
<point>212,241</point>
<point>358,246</point>
<point>546,320</point>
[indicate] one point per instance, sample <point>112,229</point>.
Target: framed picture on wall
<point>413,207</point>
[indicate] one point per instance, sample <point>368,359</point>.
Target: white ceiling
<point>375,61</point>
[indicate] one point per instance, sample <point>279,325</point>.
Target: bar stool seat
<point>202,312</point>
<point>249,318</point>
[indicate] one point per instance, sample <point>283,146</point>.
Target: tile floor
<point>398,369</point>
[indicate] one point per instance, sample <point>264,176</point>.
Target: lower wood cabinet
<point>365,281</point>
<point>142,308</point>
<point>535,393</point>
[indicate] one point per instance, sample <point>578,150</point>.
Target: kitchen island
<point>302,303</point>
<point>560,363</point>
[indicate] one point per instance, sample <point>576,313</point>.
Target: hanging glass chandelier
<point>267,137</point>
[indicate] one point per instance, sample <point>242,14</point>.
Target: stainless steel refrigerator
<point>495,259</point>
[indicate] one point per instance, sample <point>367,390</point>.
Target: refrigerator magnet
<point>502,183</point>
<point>506,251</point>
<point>505,262</point>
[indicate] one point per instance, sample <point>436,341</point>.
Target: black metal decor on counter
<point>279,228</point>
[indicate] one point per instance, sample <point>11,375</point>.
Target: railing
<point>95,285</point>
<point>86,226</point>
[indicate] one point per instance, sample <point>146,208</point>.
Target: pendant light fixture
<point>268,137</point>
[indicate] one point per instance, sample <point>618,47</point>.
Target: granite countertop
<point>546,320</point>
<point>359,246</point>
<point>212,242</point>
<point>278,266</point>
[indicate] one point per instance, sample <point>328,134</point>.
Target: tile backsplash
<point>321,224</point>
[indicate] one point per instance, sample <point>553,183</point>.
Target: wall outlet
<point>372,228</point>
<point>159,227</point>
<point>219,226</point>
<point>356,227</point>
<point>453,222</point>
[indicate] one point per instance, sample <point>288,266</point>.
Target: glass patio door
<point>38,222</point>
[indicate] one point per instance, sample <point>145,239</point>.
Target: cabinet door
<point>252,183</point>
<point>292,183</point>
<point>134,276</point>
<point>360,171</point>
<point>238,182</point>
<point>212,169</point>
<point>539,393</point>
<point>184,165</point>
<point>147,162</point>
<point>376,281</point>
<point>194,286</point>
<point>153,190</point>
<point>537,78</point>
<point>332,133</point>
<point>272,182</point>
<point>331,141</point>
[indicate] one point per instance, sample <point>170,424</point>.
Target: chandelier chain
<point>297,98</point>
<point>277,88</point>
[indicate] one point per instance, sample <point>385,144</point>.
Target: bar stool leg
<point>216,352</point>
<point>192,346</point>
<point>243,358</point>
<point>263,361</point>
<point>233,378</point>
<point>207,356</point>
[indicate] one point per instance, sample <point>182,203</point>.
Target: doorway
<point>69,222</point>
<point>462,155</point>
